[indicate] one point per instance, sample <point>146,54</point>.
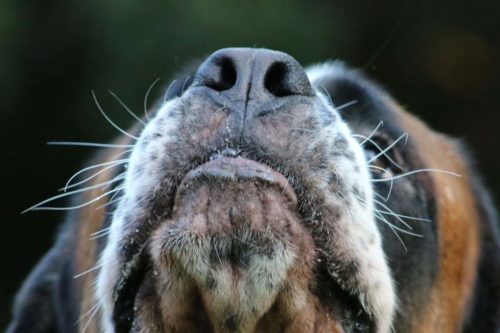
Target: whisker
<point>68,186</point>
<point>109,119</point>
<point>383,212</point>
<point>106,184</point>
<point>38,207</point>
<point>92,315</point>
<point>327,94</point>
<point>130,112</point>
<point>185,82</point>
<point>381,123</point>
<point>100,235</point>
<point>96,267</point>
<point>88,313</point>
<point>146,113</point>
<point>392,213</point>
<point>389,211</point>
<point>379,149</point>
<point>415,172</point>
<point>395,229</point>
<point>392,182</point>
<point>87,144</point>
<point>403,230</point>
<point>380,214</point>
<point>374,158</point>
<point>168,90</point>
<point>100,231</point>
<point>95,166</point>
<point>111,201</point>
<point>62,195</point>
<point>345,105</point>
<point>381,218</point>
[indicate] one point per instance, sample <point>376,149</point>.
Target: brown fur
<point>458,229</point>
<point>91,219</point>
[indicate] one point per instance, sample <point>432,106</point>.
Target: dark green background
<point>441,60</point>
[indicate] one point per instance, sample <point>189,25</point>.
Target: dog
<point>260,196</point>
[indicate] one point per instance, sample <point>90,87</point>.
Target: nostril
<point>240,73</point>
<point>276,80</point>
<point>225,78</point>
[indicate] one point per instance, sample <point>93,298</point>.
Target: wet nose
<point>253,74</point>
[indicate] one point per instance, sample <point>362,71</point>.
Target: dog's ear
<point>45,304</point>
<point>34,310</point>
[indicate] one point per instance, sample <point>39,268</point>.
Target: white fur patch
<point>134,186</point>
<point>375,282</point>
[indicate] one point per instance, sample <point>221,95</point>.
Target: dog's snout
<point>258,74</point>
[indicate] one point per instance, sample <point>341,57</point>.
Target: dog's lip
<point>218,168</point>
<point>238,169</point>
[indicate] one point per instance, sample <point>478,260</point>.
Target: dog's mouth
<point>237,237</point>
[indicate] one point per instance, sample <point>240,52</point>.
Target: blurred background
<point>440,59</point>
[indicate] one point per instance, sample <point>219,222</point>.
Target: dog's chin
<point>231,246</point>
<point>235,256</point>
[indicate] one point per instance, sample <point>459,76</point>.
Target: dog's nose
<point>253,74</point>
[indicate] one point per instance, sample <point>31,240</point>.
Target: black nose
<point>245,73</point>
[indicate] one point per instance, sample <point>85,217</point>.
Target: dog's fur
<point>321,207</point>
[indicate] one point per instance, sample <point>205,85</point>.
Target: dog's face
<point>263,198</point>
<point>250,198</point>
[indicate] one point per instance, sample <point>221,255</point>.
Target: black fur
<point>48,301</point>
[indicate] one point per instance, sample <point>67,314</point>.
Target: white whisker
<point>100,231</point>
<point>391,184</point>
<point>39,207</point>
<point>400,215</point>
<point>379,149</point>
<point>130,112</point>
<point>389,211</point>
<point>95,166</point>
<point>381,218</point>
<point>111,201</point>
<point>63,195</point>
<point>87,144</point>
<point>109,119</point>
<point>168,90</point>
<point>113,165</point>
<point>185,82</point>
<point>327,94</point>
<point>87,179</point>
<point>381,123</point>
<point>96,267</point>
<point>146,113</point>
<point>383,212</point>
<point>345,105</point>
<point>92,315</point>
<point>100,235</point>
<point>88,313</point>
<point>374,158</point>
<point>415,172</point>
